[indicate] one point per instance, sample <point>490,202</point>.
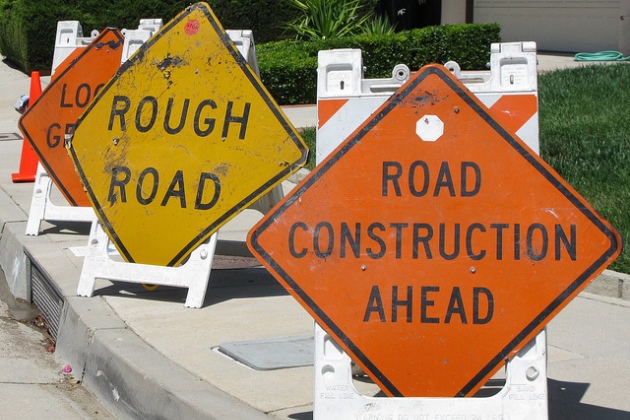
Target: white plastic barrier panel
<point>344,101</point>
<point>523,397</point>
<point>134,38</point>
<point>69,37</point>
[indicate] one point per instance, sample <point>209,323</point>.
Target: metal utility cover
<point>182,139</point>
<point>432,244</point>
<point>273,353</point>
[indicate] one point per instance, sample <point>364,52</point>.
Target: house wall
<point>560,25</point>
<point>454,11</point>
<point>624,28</point>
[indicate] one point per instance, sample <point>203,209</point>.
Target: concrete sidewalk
<point>146,356</point>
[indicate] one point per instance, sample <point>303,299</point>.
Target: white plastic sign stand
<point>194,274</point>
<point>134,38</point>
<point>511,82</point>
<point>344,101</point>
<point>524,396</point>
<point>42,207</point>
<point>69,37</point>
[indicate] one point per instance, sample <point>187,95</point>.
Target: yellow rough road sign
<point>182,139</point>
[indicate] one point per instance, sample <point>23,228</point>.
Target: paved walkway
<point>147,356</point>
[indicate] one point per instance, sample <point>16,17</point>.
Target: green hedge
<point>265,18</point>
<point>28,27</point>
<point>289,68</point>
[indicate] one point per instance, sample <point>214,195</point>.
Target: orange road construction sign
<point>433,244</point>
<point>76,82</point>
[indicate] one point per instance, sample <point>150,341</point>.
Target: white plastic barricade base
<point>523,397</point>
<point>193,274</point>
<point>42,208</point>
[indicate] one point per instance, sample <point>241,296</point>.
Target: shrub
<point>288,68</point>
<point>326,19</point>
<point>266,18</point>
<point>28,27</point>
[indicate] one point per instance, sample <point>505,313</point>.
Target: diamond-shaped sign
<point>180,141</point>
<point>73,86</point>
<point>432,262</point>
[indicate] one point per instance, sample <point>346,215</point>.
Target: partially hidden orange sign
<point>76,82</point>
<point>432,244</point>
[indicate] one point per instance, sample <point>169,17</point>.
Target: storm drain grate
<point>47,299</point>
<point>10,136</point>
<point>275,353</point>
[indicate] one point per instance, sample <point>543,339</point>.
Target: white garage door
<point>561,25</point>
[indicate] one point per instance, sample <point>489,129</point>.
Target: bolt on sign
<point>182,139</point>
<point>432,244</point>
<point>73,86</point>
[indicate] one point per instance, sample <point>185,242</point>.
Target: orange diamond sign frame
<point>433,244</point>
<point>75,83</point>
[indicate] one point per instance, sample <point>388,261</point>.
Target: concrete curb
<point>131,378</point>
<point>611,284</point>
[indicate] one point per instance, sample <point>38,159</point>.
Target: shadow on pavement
<point>67,228</point>
<point>565,403</point>
<point>224,285</point>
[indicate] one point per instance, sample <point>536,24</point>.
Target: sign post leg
<point>194,274</point>
<point>523,397</point>
<point>42,207</point>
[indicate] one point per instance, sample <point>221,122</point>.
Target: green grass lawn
<point>585,136</point>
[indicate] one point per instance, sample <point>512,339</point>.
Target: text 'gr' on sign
<point>74,84</point>
<point>183,138</point>
<point>432,244</point>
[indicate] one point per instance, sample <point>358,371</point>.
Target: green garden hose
<point>601,56</point>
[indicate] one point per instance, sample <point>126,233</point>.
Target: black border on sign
<point>247,70</point>
<point>465,95</point>
<point>93,44</point>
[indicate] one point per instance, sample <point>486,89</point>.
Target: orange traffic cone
<point>28,161</point>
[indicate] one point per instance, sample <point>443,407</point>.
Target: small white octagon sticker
<point>429,128</point>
